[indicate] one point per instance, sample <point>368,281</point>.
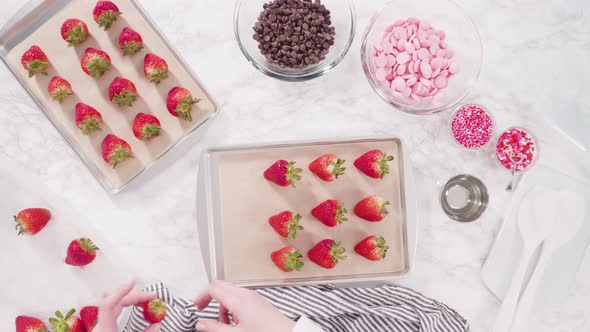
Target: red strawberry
<point>105,13</point>
<point>29,324</point>
<point>95,62</point>
<point>283,173</point>
<point>374,164</point>
<point>35,61</point>
<point>180,103</point>
<point>122,92</point>
<point>327,167</point>
<point>286,224</point>
<point>89,316</point>
<point>81,252</point>
<point>154,311</point>
<point>330,212</point>
<point>287,259</point>
<point>130,41</point>
<point>59,88</point>
<point>74,31</point>
<point>32,221</point>
<point>69,323</point>
<point>372,208</point>
<point>327,253</point>
<point>155,68</point>
<point>146,127</point>
<point>88,119</point>
<point>115,150</point>
<point>373,248</point>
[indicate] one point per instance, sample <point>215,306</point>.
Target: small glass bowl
<point>535,158</point>
<point>463,39</point>
<point>450,127</point>
<point>343,18</point>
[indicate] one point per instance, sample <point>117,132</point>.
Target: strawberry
<point>89,316</point>
<point>115,150</point>
<point>327,253</point>
<point>286,224</point>
<point>88,119</point>
<point>327,167</point>
<point>287,259</point>
<point>373,248</point>
<point>374,164</point>
<point>130,41</point>
<point>146,127</point>
<point>29,324</point>
<point>283,173</point>
<point>155,68</point>
<point>330,212</point>
<point>32,221</point>
<point>81,252</point>
<point>69,323</point>
<point>74,31</point>
<point>95,62</point>
<point>105,13</point>
<point>154,311</point>
<point>122,92</point>
<point>371,208</point>
<point>35,61</point>
<point>59,88</point>
<point>180,103</point>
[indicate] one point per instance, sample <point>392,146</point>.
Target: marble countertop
<point>535,62</point>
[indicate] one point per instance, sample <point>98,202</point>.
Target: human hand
<point>251,312</point>
<point>112,305</point>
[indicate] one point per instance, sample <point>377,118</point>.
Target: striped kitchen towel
<point>384,308</point>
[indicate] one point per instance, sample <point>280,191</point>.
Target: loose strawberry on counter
<point>155,68</point>
<point>287,259</point>
<point>180,103</point>
<point>327,167</point>
<point>372,247</point>
<point>286,224</point>
<point>146,127</point>
<point>88,119</point>
<point>283,173</point>
<point>105,13</point>
<point>35,61</point>
<point>372,208</point>
<point>67,323</point>
<point>122,92</point>
<point>74,31</point>
<point>115,150</point>
<point>95,62</point>
<point>330,212</point>
<point>81,252</point>
<point>374,164</point>
<point>327,253</point>
<point>59,88</point>
<point>154,311</point>
<point>29,324</point>
<point>32,221</point>
<point>89,316</point>
<point>130,41</point>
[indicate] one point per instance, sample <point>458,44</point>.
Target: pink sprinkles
<point>472,126</point>
<point>516,148</point>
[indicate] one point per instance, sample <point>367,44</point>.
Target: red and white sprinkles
<point>413,60</point>
<point>472,126</point>
<point>516,148</point>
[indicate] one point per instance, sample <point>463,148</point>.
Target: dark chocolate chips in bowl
<point>294,33</point>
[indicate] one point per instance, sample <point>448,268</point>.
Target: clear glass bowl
<point>462,37</point>
<point>456,142</point>
<point>343,19</point>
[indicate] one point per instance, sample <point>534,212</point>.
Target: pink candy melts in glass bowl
<point>435,61</point>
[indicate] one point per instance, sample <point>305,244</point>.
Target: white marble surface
<point>536,61</point>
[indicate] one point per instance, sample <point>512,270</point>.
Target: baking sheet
<point>65,62</point>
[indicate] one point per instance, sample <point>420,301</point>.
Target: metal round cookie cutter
<point>464,198</point>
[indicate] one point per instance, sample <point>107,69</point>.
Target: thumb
<point>153,328</point>
<point>213,326</point>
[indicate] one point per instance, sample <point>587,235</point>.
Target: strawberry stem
<point>119,155</point>
<point>338,169</point>
<point>383,165</point>
<point>61,93</point>
<point>294,226</point>
<point>107,18</point>
<point>293,261</point>
<point>337,252</point>
<point>37,67</point>
<point>125,98</point>
<point>293,173</point>
<point>76,36</point>
<point>131,47</point>
<point>91,125</point>
<point>158,75</point>
<point>151,131</point>
<point>185,106</point>
<point>97,67</point>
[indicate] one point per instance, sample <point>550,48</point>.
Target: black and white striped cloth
<point>379,309</point>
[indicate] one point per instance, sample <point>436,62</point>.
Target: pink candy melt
<point>516,148</point>
<point>472,126</point>
<point>413,60</point>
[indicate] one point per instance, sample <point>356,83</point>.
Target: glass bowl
<point>343,19</point>
<point>535,156</point>
<point>456,142</point>
<point>462,37</point>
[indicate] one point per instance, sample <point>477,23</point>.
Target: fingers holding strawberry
<point>31,221</point>
<point>283,173</point>
<point>154,311</point>
<point>286,224</point>
<point>287,259</point>
<point>374,164</point>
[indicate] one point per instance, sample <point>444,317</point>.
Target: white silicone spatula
<point>535,220</point>
<point>570,221</point>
